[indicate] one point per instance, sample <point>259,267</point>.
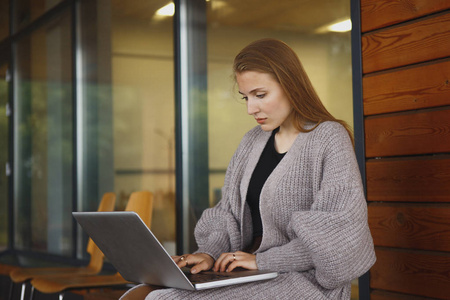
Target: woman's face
<point>266,100</point>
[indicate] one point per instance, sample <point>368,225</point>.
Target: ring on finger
<point>183,258</point>
<point>234,257</point>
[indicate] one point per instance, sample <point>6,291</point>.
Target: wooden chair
<point>23,274</point>
<point>139,202</point>
<point>5,270</point>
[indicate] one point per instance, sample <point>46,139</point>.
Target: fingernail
<point>194,271</point>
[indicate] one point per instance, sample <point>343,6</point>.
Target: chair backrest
<point>142,203</point>
<point>107,203</point>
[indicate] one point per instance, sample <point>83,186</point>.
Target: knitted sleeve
<point>332,238</point>
<point>218,229</point>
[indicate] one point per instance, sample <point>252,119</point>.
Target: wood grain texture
<point>424,40</point>
<point>420,179</point>
<point>381,13</point>
<point>409,134</point>
<point>410,226</point>
<point>412,272</point>
<point>385,295</point>
<point>407,89</point>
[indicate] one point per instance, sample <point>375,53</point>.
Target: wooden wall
<point>406,98</point>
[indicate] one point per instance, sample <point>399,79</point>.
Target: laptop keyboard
<point>206,277</point>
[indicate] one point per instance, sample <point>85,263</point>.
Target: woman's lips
<point>260,120</point>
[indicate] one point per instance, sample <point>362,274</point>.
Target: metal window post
<point>358,116</point>
<point>191,116</point>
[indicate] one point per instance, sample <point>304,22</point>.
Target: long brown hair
<point>278,59</point>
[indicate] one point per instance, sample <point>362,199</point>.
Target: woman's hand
<point>199,262</point>
<point>229,261</point>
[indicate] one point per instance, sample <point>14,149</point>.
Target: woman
<point>292,201</point>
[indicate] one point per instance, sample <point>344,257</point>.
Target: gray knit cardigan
<point>314,216</point>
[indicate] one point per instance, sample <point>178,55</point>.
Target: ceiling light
<point>166,11</point>
<point>342,26</point>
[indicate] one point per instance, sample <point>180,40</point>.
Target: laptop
<point>139,257</point>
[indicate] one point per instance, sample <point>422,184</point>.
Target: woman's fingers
<point>223,261</point>
<point>219,262</point>
<point>229,261</point>
<point>198,262</point>
<point>246,261</point>
<point>183,261</point>
<point>202,266</point>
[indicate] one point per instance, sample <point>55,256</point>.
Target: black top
<point>267,162</point>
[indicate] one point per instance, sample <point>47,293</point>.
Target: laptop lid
<point>139,257</point>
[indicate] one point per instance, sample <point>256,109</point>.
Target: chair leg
<point>32,293</point>
<point>11,289</point>
<point>22,292</point>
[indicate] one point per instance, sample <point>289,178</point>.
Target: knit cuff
<point>217,244</point>
<point>290,257</point>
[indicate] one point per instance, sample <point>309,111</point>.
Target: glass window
<point>43,139</point>
<point>124,113</point>
<point>4,19</point>
<point>126,107</point>
<point>4,142</point>
<point>26,11</point>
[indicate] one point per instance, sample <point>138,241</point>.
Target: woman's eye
<point>245,98</point>
<point>260,96</point>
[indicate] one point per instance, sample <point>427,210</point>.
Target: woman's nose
<point>252,107</point>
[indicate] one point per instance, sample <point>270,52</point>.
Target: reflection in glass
<point>126,107</point>
<point>43,139</point>
<point>144,112</point>
<point>4,144</point>
<point>144,109</point>
<point>4,19</point>
<point>26,11</point>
